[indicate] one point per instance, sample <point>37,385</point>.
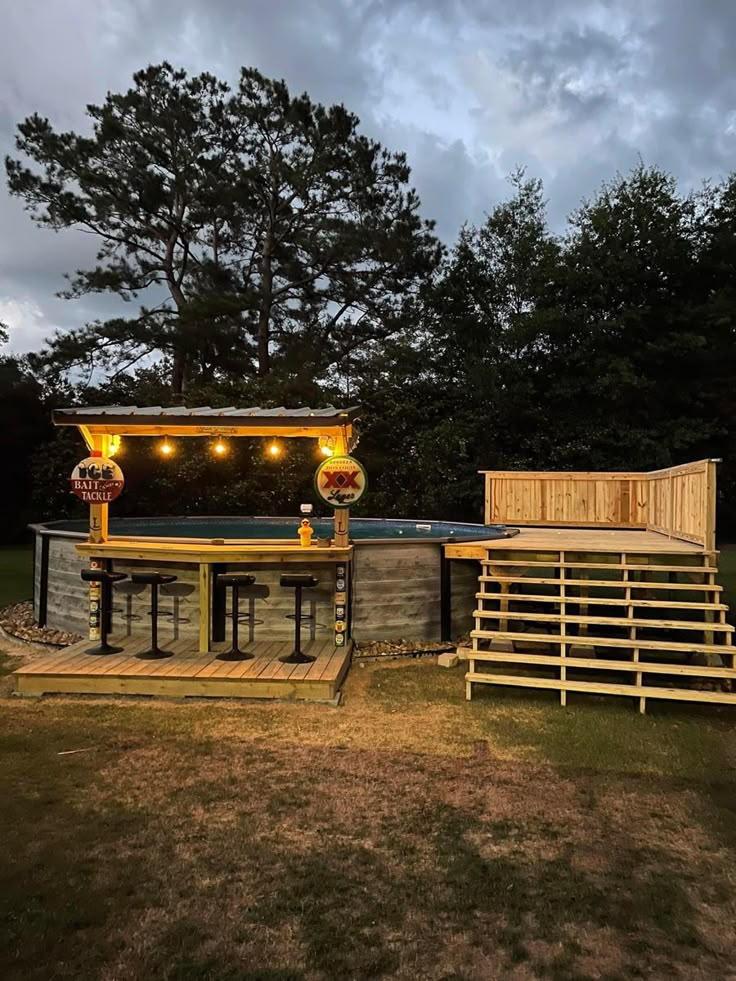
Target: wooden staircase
<point>615,623</point>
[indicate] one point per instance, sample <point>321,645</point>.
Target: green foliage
<point>289,265</point>
<point>261,229</point>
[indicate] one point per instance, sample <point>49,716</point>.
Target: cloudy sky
<point>572,89</point>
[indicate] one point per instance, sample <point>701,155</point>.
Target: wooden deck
<point>188,673</point>
<point>613,612</point>
<point>576,540</point>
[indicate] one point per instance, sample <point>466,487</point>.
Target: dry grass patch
<point>406,835</point>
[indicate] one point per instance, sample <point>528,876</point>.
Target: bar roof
<point>132,419</point>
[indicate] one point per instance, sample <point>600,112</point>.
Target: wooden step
<point>616,566</point>
<point>623,622</point>
<point>608,583</point>
<point>598,688</point>
<point>638,667</point>
<point>591,641</point>
<point>600,601</point>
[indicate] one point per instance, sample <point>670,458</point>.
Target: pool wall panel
<point>396,594</point>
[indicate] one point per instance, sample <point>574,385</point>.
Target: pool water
<point>285,528</point>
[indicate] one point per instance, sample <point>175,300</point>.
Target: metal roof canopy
<point>156,420</point>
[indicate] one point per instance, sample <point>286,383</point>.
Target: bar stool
<point>154,580</point>
<point>105,579</point>
<point>127,591</point>
<point>179,593</point>
<point>236,580</point>
<point>298,582</point>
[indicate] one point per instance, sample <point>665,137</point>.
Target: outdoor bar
<point>155,595</point>
<point>209,664</point>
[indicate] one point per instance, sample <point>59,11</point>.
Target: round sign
<point>97,480</point>
<point>340,481</point>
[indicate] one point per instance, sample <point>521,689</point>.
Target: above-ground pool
<point>396,576</point>
<point>283,529</point>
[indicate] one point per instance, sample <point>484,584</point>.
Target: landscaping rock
<point>401,648</point>
<point>17,621</point>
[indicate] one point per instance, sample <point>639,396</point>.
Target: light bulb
<point>219,448</point>
<point>166,448</point>
<point>274,450</point>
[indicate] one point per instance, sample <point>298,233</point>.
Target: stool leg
<point>236,612</point>
<point>297,656</point>
<point>155,652</point>
<point>298,623</point>
<point>235,654</point>
<point>154,618</point>
<point>105,604</point>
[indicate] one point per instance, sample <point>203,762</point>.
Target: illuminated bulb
<point>166,448</point>
<point>219,448</point>
<point>114,446</point>
<point>326,445</point>
<point>274,450</point>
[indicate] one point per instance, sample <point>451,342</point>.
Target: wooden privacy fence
<point>678,502</point>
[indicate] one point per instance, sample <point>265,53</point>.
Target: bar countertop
<point>203,551</point>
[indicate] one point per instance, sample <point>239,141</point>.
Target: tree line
<point>270,253</point>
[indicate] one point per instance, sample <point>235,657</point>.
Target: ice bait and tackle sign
<point>97,480</point>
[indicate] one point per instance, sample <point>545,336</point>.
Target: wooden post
<point>98,533</point>
<point>98,513</point>
<point>710,504</point>
<point>342,527</point>
<point>342,515</point>
<point>563,630</point>
<point>204,607</point>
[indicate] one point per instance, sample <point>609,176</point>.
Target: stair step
<point>590,641</point>
<point>643,667</point>
<point>610,583</point>
<point>617,566</point>
<point>623,622</point>
<point>597,688</point>
<point>601,601</point>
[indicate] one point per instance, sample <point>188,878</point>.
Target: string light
<point>219,447</point>
<point>326,445</point>
<point>165,447</point>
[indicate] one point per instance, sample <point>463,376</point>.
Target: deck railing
<point>678,501</point>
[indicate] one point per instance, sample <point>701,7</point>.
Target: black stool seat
<point>297,581</point>
<point>294,579</point>
<point>128,591</point>
<point>102,575</point>
<point>105,578</point>
<point>154,580</point>
<point>235,580</point>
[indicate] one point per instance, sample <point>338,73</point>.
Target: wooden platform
<point>575,540</point>
<point>188,673</point>
<point>613,612</point>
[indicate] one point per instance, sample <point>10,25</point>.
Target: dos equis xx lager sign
<point>340,481</point>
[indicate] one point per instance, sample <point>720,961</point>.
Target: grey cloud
<point>469,88</point>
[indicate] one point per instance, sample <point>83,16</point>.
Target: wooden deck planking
<point>575,540</point>
<point>188,673</point>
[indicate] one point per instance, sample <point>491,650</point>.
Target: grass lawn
<point>16,572</point>
<point>407,834</point>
